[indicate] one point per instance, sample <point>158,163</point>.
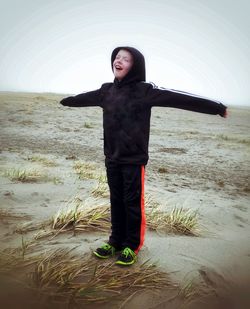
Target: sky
<point>64,46</point>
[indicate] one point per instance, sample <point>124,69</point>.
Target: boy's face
<point>122,64</point>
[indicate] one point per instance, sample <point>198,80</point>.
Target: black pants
<point>126,184</point>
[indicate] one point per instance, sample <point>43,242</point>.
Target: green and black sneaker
<point>105,251</point>
<point>127,257</point>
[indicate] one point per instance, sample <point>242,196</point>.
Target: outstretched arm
<point>184,100</point>
<point>91,98</point>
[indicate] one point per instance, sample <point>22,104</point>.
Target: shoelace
<point>127,252</point>
<point>106,246</point>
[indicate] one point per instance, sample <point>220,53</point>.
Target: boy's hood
<point>138,72</point>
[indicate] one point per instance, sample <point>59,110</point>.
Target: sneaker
<point>105,251</point>
<point>127,257</point>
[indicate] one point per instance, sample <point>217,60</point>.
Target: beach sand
<point>197,162</point>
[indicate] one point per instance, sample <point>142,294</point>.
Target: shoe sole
<point>124,263</point>
<point>102,256</point>
<point>105,256</point>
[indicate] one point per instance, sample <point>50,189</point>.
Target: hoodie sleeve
<point>90,98</point>
<point>184,100</point>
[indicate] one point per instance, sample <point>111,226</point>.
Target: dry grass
<point>79,217</point>
<point>58,268</point>
<point>150,202</point>
<point>22,175</point>
<point>25,247</point>
<point>189,290</point>
<point>102,178</point>
<point>65,278</point>
<point>10,262</point>
<point>162,170</point>
<point>178,221</point>
<point>85,170</point>
<point>74,279</point>
<point>192,290</point>
<point>82,218</point>
<point>55,180</point>
<point>29,176</point>
<point>89,170</point>
<point>31,226</point>
<point>13,259</point>
<point>7,215</point>
<point>173,150</point>
<point>42,160</point>
<point>101,190</point>
<point>233,139</point>
<point>88,125</point>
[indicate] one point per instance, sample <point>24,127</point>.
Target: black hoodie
<point>127,107</point>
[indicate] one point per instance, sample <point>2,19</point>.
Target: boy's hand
<point>225,113</point>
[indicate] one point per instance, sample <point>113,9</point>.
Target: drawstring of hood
<point>137,73</point>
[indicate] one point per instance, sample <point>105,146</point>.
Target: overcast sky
<point>64,46</point>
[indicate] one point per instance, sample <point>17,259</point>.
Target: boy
<point>126,105</point>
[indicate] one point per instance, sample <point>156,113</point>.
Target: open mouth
<point>117,67</point>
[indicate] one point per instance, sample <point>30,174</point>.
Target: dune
<point>52,157</point>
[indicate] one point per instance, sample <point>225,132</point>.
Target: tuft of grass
<point>162,170</point>
<point>79,215</point>
<point>102,189</point>
<point>30,227</point>
<point>82,218</point>
<point>173,150</point>
<point>56,180</point>
<point>150,202</point>
<point>69,215</point>
<point>96,218</point>
<point>233,139</point>
<point>44,161</point>
<point>88,170</point>
<point>7,215</point>
<point>88,125</point>
<point>102,178</point>
<point>22,175</point>
<point>189,289</point>
<point>85,170</point>
<point>12,259</point>
<point>73,278</point>
<point>178,221</point>
<point>192,290</point>
<point>29,176</point>
<point>63,277</point>
<point>58,268</point>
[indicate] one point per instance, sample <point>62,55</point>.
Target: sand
<point>197,161</point>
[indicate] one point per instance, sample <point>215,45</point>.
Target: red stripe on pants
<point>143,215</point>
